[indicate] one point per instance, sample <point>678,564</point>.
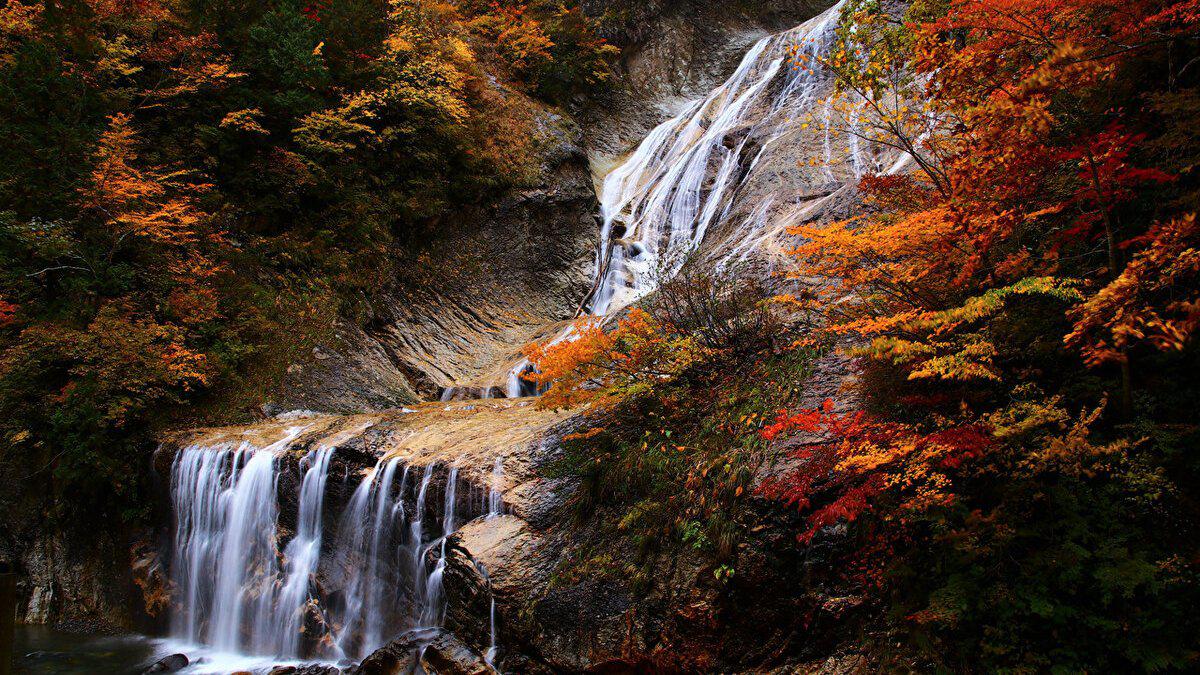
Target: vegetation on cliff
<point>1018,491</point>
<point>191,192</point>
<point>683,387</point>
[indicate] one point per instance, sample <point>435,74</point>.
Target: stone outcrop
<point>63,580</point>
<point>486,280</point>
<point>435,651</point>
<point>168,664</point>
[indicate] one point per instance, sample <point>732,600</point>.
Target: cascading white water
<point>303,552</point>
<point>493,646</point>
<point>225,562</point>
<point>685,178</point>
<point>495,506</point>
<point>383,559</point>
<point>363,567</point>
<point>239,595</point>
<point>433,610</point>
<point>416,548</point>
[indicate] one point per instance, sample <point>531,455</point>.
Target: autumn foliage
<point>591,364</point>
<point>192,193</point>
<point>695,320</point>
<point>1021,292</point>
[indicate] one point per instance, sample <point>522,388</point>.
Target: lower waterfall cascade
<point>347,579</point>
<point>242,593</point>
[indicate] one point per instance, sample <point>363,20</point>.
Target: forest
<point>1018,482</point>
<point>941,420</point>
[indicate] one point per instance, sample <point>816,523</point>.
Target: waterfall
<point>416,549</point>
<point>495,506</point>
<point>684,176</point>
<point>433,610</point>
<point>225,548</point>
<point>684,188</point>
<point>366,571</point>
<point>240,593</point>
<point>516,386</point>
<point>684,179</point>
<point>493,645</point>
<point>303,552</point>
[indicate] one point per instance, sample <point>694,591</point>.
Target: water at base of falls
<point>247,598</point>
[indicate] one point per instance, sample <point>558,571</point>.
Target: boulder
<point>168,664</point>
<point>435,650</point>
<point>307,669</point>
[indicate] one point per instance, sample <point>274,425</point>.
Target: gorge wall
<point>490,278</point>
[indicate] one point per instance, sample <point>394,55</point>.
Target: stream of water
<point>386,560</point>
<point>683,180</point>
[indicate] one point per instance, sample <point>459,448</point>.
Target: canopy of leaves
<point>1022,297</point>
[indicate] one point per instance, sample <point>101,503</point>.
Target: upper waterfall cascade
<point>340,584</point>
<point>684,178</point>
<point>685,189</point>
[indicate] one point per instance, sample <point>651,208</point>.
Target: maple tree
<point>694,320</point>
<point>1033,239</point>
<point>590,364</point>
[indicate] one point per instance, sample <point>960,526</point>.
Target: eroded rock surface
<point>488,279</point>
<point>435,651</point>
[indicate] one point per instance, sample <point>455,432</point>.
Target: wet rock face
<point>168,664</point>
<point>83,577</point>
<point>673,51</point>
<point>483,281</point>
<point>310,669</point>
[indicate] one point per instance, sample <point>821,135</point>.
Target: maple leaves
<point>18,21</point>
<point>1001,291</point>
<point>8,312</point>
<point>998,193</point>
<point>139,202</point>
<point>857,459</point>
<point>423,71</point>
<point>1155,300</point>
<point>590,364</point>
<point>693,318</point>
<point>519,38</point>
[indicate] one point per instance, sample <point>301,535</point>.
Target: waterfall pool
<point>40,650</point>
